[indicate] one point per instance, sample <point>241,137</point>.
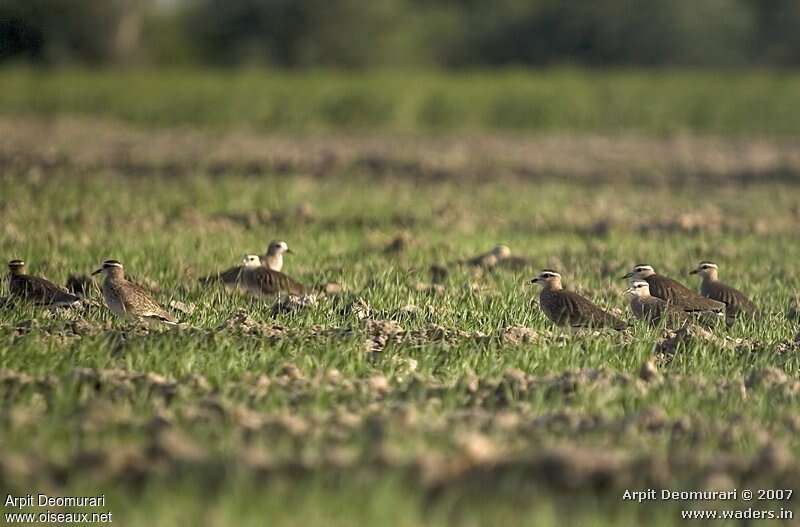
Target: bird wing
<point>582,312</point>
<point>268,282</point>
<point>137,301</point>
<point>43,291</point>
<point>667,288</point>
<point>681,296</point>
<point>735,301</point>
<point>658,310</point>
<point>649,308</point>
<point>228,276</point>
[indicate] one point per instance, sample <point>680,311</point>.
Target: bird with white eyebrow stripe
<point>673,292</point>
<point>651,308</point>
<point>126,299</point>
<point>736,302</point>
<point>567,308</point>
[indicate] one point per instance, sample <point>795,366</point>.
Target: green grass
<point>661,102</point>
<point>246,428</point>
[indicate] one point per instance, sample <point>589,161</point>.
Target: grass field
<point>656,102</point>
<point>394,402</point>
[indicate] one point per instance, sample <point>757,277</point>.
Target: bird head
<point>251,261</point>
<point>277,247</point>
<point>548,278</point>
<point>638,288</point>
<point>640,272</point>
<point>16,266</point>
<point>111,268</point>
<point>501,251</point>
<point>706,269</point>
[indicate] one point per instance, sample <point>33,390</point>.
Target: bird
<point>651,308</point>
<point>491,258</point>
<point>736,302</point>
<point>263,282</point>
<point>251,261</point>
<point>272,259</point>
<point>38,290</point>
<point>567,308</point>
<point>673,292</point>
<point>126,299</point>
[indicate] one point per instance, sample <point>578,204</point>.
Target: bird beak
<point>627,276</point>
<point>694,271</point>
<point>98,271</point>
<point>629,291</point>
<point>289,251</point>
<point>534,280</point>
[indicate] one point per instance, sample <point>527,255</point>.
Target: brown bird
<point>35,289</point>
<point>126,299</point>
<point>567,308</point>
<point>673,292</point>
<point>272,259</point>
<point>491,258</point>
<point>736,302</point>
<point>262,282</point>
<point>651,308</point>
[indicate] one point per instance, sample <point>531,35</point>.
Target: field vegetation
<point>661,102</point>
<point>398,399</point>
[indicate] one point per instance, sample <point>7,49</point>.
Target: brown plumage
<point>673,292</point>
<point>736,303</point>
<point>647,307</point>
<point>263,282</point>
<point>567,308</point>
<point>35,289</point>
<point>126,299</point>
<point>232,278</point>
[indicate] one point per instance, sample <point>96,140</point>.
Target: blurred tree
<point>386,33</point>
<point>777,40</point>
<point>604,32</point>
<point>295,33</point>
<point>52,31</point>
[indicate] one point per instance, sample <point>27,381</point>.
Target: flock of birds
<point>261,277</point>
<point>654,298</point>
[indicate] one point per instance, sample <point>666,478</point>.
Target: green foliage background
<point>559,100</point>
<point>392,33</point>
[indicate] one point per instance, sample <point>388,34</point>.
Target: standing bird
<point>272,259</point>
<point>567,308</point>
<point>651,308</point>
<point>35,289</point>
<point>736,302</point>
<point>126,299</point>
<point>673,292</point>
